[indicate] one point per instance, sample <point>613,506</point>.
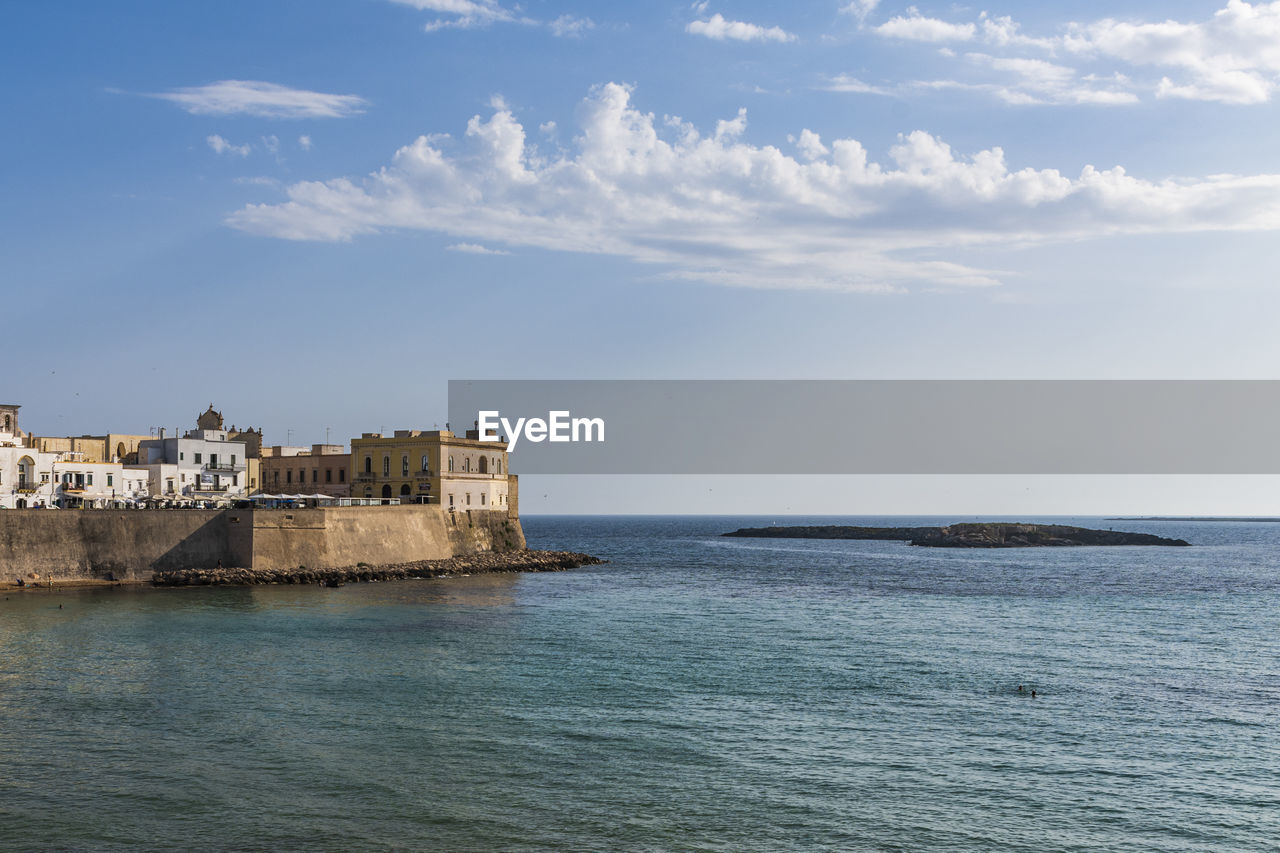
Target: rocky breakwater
<point>492,562</point>
<point>982,535</point>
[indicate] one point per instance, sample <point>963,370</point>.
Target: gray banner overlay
<point>887,426</point>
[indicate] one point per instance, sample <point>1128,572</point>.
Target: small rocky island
<point>980,535</point>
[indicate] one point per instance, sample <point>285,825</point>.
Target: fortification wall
<point>115,544</point>
<point>130,545</point>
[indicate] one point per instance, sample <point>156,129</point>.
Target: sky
<point>314,214</point>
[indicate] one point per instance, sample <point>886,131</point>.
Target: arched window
<point>368,464</point>
<point>386,467</point>
<point>386,491</point>
<point>404,465</point>
<point>424,463</point>
<point>484,465</point>
<point>451,464</point>
<point>499,466</point>
<point>466,465</point>
<point>404,490</point>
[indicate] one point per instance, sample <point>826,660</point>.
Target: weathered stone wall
<point>119,544</point>
<point>133,544</point>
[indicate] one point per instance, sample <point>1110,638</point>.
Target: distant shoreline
<point>1190,518</point>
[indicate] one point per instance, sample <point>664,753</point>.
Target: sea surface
<point>696,693</point>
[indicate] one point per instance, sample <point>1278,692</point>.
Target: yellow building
<point>112,447</point>
<point>433,466</point>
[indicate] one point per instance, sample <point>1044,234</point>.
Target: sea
<point>695,693</point>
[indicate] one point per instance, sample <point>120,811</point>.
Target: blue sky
<point>314,214</point>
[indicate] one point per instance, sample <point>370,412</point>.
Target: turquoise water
<point>697,693</point>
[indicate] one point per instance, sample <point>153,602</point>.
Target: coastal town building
<point>80,484</point>
<point>212,462</point>
<point>322,469</point>
<point>202,464</point>
<point>111,447</point>
<point>433,466</point>
<point>10,435</point>
<point>26,477</point>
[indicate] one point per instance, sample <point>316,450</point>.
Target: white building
<point>98,485</point>
<point>203,464</point>
<point>26,477</point>
<point>26,474</point>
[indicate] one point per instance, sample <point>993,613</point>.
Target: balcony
<point>223,466</point>
<point>363,478</point>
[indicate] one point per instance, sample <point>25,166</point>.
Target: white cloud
<point>475,249</point>
<point>267,100</point>
<point>719,209</point>
<point>304,142</point>
<point>222,146</point>
<point>916,27</point>
<point>567,26</point>
<point>845,83</point>
<point>257,181</point>
<point>720,29</point>
<point>859,9</point>
<point>463,14</point>
<point>271,143</point>
<point>1232,57</point>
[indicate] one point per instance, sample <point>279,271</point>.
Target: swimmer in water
<point>1033,694</point>
<point>1020,690</point>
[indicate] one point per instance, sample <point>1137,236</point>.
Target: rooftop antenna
<point>288,437</point>
<point>326,435</point>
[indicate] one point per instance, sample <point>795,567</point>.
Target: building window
<point>342,475</point>
<point>315,475</point>
<point>404,465</point>
<point>181,456</point>
<point>198,458</point>
<point>482,499</point>
<point>468,499</point>
<point>450,500</point>
<point>89,479</point>
<point>328,475</point>
<point>450,464</point>
<point>275,476</point>
<point>386,466</point>
<point>233,460</point>
<point>302,475</point>
<point>109,481</point>
<point>425,467</point>
<point>288,476</point>
<point>368,464</point>
<point>235,479</point>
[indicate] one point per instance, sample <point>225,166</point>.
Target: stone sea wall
<point>132,545</point>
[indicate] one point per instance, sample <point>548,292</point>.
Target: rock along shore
<point>491,562</point>
<point>983,535</point>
